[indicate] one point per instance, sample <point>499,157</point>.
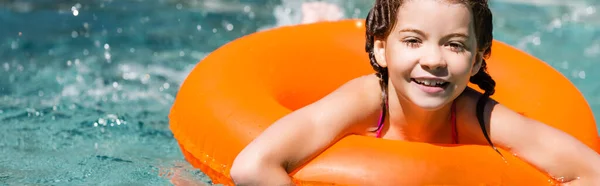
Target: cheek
<point>460,66</point>
<point>400,60</point>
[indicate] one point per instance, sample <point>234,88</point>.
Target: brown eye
<point>457,47</point>
<point>413,43</point>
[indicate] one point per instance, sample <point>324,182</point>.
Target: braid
<point>378,24</point>
<point>483,29</point>
<point>487,84</point>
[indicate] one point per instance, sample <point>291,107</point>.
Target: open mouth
<point>431,82</point>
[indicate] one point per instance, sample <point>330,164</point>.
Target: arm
<point>301,135</point>
<point>546,148</point>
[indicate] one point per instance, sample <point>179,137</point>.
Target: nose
<point>433,59</point>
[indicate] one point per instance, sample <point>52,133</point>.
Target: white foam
<point>289,12</point>
<point>546,2</point>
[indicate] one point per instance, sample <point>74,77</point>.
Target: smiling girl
<point>424,52</point>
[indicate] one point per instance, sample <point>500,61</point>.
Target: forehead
<point>435,15</point>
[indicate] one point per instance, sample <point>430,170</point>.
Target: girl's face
<point>430,53</point>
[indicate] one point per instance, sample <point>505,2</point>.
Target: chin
<point>429,103</point>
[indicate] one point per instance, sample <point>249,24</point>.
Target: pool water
<point>86,86</point>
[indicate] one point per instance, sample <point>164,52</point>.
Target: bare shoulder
<point>494,116</point>
<point>537,143</point>
<point>359,98</point>
<point>506,128</point>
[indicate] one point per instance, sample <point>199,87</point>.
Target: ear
<point>379,51</point>
<point>477,63</point>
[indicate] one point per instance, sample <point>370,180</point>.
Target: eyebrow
<point>457,34</point>
<point>412,30</point>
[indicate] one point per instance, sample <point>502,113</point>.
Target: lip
<point>430,89</point>
<point>430,78</point>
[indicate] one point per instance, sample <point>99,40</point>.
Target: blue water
<point>86,86</point>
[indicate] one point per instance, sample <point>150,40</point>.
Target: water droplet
<point>119,30</point>
<point>145,79</point>
<point>536,40</point>
<point>198,27</point>
<point>86,52</point>
<point>79,78</point>
<point>106,46</point>
<point>132,50</point>
<point>144,20</point>
<point>102,121</point>
<point>556,23</point>
<point>14,45</point>
<point>590,10</point>
<point>214,30</point>
<point>582,74</point>
<point>181,53</point>
<point>179,6</point>
<point>115,85</point>
<point>107,56</point>
<point>74,34</point>
<point>565,65</point>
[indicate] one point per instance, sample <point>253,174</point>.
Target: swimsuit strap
<point>381,119</point>
<point>452,120</point>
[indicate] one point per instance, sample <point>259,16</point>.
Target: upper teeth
<point>431,82</point>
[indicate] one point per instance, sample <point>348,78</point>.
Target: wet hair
<point>382,18</point>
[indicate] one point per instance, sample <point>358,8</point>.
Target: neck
<point>417,124</point>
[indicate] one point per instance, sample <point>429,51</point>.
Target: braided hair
<point>382,18</point>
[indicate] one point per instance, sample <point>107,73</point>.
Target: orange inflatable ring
<point>244,86</point>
